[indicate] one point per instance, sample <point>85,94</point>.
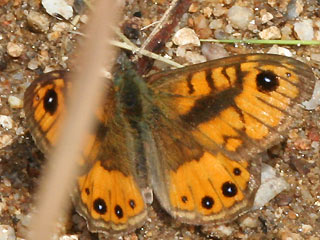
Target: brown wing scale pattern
<point>234,109</point>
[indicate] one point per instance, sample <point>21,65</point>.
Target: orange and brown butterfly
<point>194,135</point>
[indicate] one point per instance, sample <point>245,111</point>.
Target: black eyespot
<point>207,202</point>
<point>118,211</point>
<point>229,189</point>
<point>87,191</point>
<point>100,206</point>
<point>267,81</point>
<point>132,204</point>
<point>288,74</point>
<point>184,199</point>
<point>237,171</point>
<point>50,101</point>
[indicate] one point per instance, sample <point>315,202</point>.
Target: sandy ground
<point>27,50</point>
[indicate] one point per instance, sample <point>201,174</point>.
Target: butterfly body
<point>194,135</point>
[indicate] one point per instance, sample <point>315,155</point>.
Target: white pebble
<point>271,186</point>
<point>6,122</point>
<point>280,50</point>
<point>270,33</point>
<point>304,29</point>
<point>14,49</point>
<point>20,131</point>
<point>240,17</point>
<point>69,237</point>
<point>314,102</point>
<point>186,36</point>
<point>15,102</point>
<point>7,233</point>
<point>58,7</point>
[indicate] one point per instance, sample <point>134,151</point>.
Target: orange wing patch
<point>208,185</point>
<point>110,195</point>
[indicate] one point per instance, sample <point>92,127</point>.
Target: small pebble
<point>6,122</point>
<point>213,51</point>
<point>216,24</point>
<point>186,36</point>
<point>7,233</point>
<point>299,165</point>
<point>249,222</point>
<point>306,228</point>
<point>194,7</point>
<point>304,29</point>
<point>315,57</point>
<point>5,140</point>
<point>33,64</point>
<point>270,33</point>
<point>58,7</point>
<point>54,36</point>
<point>15,102</point>
<point>219,10</point>
<point>202,27</point>
<point>69,237</point>
<point>37,21</point>
<point>194,57</point>
<point>220,229</point>
<point>284,199</point>
<point>265,16</point>
<point>294,9</point>
<point>20,131</point>
<point>275,49</point>
<point>61,27</point>
<point>286,31</point>
<point>240,17</point>
<point>271,186</point>
<point>207,11</point>
<point>314,102</point>
<point>6,182</point>
<point>14,49</point>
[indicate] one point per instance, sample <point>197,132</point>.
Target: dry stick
<point>160,25</point>
<point>61,171</point>
<point>162,32</point>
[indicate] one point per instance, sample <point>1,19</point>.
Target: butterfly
<point>195,135</point>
